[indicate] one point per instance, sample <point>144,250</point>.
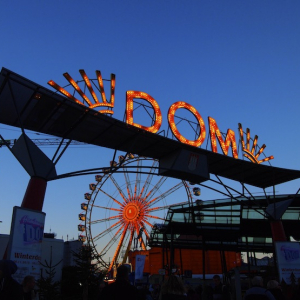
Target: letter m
<point>215,135</point>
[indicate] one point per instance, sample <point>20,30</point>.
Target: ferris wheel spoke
<point>165,194</point>
<point>111,241</point>
<point>137,179</point>
<point>118,188</point>
<point>155,188</point>
<point>103,220</point>
<point>149,224</point>
<point>155,217</point>
<point>107,230</point>
<point>128,185</point>
<point>158,208</point>
<point>116,254</point>
<point>108,208</point>
<point>128,246</point>
<point>126,239</point>
<point>148,180</point>
<point>112,198</point>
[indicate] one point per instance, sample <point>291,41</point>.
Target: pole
<point>35,194</point>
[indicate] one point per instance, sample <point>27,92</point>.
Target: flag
<point>139,266</point>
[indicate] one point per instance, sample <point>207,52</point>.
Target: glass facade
<point>236,224</point>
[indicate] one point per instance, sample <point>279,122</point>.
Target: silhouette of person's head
<point>257,281</point>
<point>173,285</point>
<point>7,268</point>
<point>122,273</point>
<point>216,280</point>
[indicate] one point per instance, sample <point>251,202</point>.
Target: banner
<point>288,261</point>
<point>139,266</point>
<point>25,243</point>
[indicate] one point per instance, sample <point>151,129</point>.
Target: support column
<point>35,194</point>
<point>278,233</point>
<point>172,254</point>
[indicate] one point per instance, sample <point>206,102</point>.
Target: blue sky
<point>236,61</point>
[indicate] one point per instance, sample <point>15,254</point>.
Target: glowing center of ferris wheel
<point>131,212</point>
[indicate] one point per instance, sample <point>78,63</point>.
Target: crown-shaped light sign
<point>251,155</point>
<point>109,104</point>
<point>214,131</point>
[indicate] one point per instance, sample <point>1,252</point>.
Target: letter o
<point>171,113</point>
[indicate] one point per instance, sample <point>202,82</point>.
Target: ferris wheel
<point>124,203</point>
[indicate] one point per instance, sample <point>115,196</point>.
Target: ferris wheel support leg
<point>278,233</point>
<point>35,194</point>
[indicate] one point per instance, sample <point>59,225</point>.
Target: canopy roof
<point>28,105</point>
<point>230,224</point>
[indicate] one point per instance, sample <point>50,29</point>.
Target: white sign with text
<point>25,246</point>
<point>288,260</point>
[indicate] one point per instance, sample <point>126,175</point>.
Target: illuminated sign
<point>130,95</point>
<point>109,104</point>
<point>251,155</point>
<point>214,131</point>
<point>171,114</point>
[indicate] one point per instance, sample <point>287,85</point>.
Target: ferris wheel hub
<point>131,212</point>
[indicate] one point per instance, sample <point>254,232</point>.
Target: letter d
<point>130,95</point>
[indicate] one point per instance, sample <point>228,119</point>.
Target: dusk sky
<point>236,61</point>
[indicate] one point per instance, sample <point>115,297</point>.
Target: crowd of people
<point>272,291</point>
<point>10,289</point>
<point>173,288</point>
